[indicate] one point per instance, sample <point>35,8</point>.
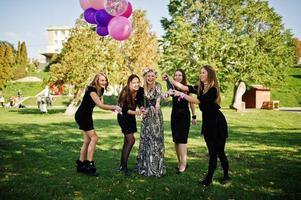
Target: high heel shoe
<point>180,172</point>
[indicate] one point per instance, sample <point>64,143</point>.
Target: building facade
<point>56,37</point>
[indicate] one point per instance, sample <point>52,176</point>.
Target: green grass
<point>57,101</point>
<point>27,88</point>
<point>289,91</point>
<point>37,153</point>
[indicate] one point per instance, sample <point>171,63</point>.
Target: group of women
<point>135,100</point>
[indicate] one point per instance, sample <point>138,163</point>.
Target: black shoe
<point>80,167</point>
<point>225,180</point>
<point>124,171</point>
<point>180,172</point>
<point>90,168</point>
<point>205,182</point>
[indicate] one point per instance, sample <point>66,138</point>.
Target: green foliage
<point>245,40</point>
<point>7,61</point>
<point>5,73</point>
<point>141,49</point>
<point>38,153</point>
<point>22,58</point>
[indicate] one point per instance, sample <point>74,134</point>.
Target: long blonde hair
<point>212,82</point>
<point>95,82</point>
<point>144,73</point>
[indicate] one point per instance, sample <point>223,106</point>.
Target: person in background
<point>2,101</point>
<point>129,98</point>
<point>214,125</point>
<point>93,97</point>
<point>180,120</point>
<point>150,159</point>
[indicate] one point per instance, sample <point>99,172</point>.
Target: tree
<point>298,50</point>
<point>244,39</point>
<point>141,49</point>
<point>21,61</point>
<point>6,62</point>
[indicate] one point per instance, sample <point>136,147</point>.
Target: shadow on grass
<point>296,76</point>
<point>37,111</point>
<point>38,162</point>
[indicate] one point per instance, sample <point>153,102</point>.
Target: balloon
<point>89,15</point>
<point>102,30</point>
<point>102,17</point>
<point>120,28</point>
<point>115,7</point>
<point>96,4</point>
<point>128,11</point>
<point>84,4</point>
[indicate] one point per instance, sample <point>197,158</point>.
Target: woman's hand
<point>157,107</point>
<point>117,109</point>
<point>176,93</point>
<point>165,77</point>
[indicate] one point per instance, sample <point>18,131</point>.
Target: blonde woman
<point>93,97</point>
<point>150,159</point>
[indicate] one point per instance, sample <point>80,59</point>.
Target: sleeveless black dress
<point>180,120</point>
<point>128,122</point>
<point>83,115</point>
<point>214,124</point>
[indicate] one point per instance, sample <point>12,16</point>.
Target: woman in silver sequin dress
<point>150,159</point>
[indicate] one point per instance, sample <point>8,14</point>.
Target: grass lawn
<point>289,91</point>
<point>38,153</point>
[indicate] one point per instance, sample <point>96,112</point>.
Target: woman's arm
<point>192,108</point>
<point>134,112</point>
<point>191,99</point>
<point>179,85</point>
<point>101,105</point>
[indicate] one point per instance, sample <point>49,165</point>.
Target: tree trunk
<point>238,92</point>
<point>72,107</point>
<point>235,86</point>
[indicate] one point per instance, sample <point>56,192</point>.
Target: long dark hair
<point>212,82</point>
<point>184,80</point>
<point>125,97</point>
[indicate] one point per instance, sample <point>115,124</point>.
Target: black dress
<point>83,115</point>
<point>180,120</point>
<point>214,125</point>
<point>126,121</point>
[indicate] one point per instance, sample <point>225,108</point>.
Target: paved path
<point>290,109</point>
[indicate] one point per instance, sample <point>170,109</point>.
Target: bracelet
<point>193,116</point>
<point>182,95</point>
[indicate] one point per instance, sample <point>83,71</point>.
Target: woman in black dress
<point>214,126</point>
<point>83,116</point>
<point>129,98</point>
<point>180,121</point>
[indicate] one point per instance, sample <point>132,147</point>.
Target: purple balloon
<point>89,15</point>
<point>102,17</point>
<point>102,30</point>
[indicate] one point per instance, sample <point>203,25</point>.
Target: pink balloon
<point>120,28</point>
<point>96,4</point>
<point>84,4</point>
<point>115,7</point>
<point>128,11</point>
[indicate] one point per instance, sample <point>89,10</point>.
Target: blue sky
<point>27,20</point>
